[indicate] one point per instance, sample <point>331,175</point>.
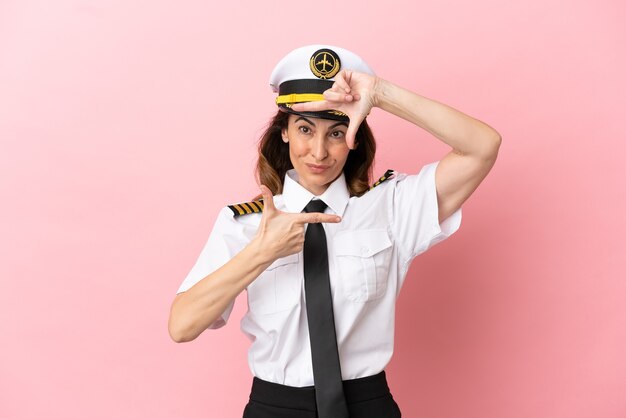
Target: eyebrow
<point>339,124</point>
<point>331,127</point>
<point>305,119</point>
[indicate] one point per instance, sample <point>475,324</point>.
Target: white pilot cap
<point>306,72</point>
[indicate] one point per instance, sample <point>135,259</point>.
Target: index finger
<point>342,81</point>
<point>312,106</point>
<point>317,217</point>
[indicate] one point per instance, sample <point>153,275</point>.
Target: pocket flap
<point>361,243</point>
<point>292,258</point>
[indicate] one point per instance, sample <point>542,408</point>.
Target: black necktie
<point>330,399</point>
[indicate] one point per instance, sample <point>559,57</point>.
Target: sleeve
<point>223,243</point>
<point>415,213</point>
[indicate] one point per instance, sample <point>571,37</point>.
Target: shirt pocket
<point>362,259</point>
<point>277,288</point>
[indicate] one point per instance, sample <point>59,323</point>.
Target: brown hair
<point>274,159</point>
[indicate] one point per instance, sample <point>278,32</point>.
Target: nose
<point>318,147</point>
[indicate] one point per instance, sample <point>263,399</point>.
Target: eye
<point>304,129</point>
<point>337,134</point>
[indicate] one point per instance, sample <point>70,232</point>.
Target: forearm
<point>468,136</point>
<point>196,309</point>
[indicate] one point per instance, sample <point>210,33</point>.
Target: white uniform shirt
<point>370,251</point>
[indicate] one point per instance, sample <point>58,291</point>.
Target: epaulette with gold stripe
<point>388,174</point>
<point>256,206</point>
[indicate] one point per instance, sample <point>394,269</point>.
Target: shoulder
<point>242,215</point>
<point>251,209</point>
<point>380,187</point>
<point>234,225</point>
<point>393,179</point>
<point>245,208</point>
<point>396,189</point>
<point>377,196</point>
<point>389,174</point>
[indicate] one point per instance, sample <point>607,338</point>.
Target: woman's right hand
<point>282,233</point>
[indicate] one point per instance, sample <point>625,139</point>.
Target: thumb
<point>268,199</point>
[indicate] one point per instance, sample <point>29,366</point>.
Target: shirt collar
<point>296,197</point>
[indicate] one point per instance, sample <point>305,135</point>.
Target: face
<point>318,150</point>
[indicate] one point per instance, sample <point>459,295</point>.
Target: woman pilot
<point>321,252</point>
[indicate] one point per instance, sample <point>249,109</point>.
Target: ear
<point>283,133</point>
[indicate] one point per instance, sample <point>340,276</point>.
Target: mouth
<point>317,168</point>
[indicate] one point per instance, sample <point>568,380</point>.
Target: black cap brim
<point>324,114</point>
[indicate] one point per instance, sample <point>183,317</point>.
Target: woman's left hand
<point>352,93</point>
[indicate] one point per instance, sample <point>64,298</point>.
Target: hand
<point>352,93</point>
<point>282,233</point>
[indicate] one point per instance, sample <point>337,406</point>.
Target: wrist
<point>259,254</point>
<point>379,91</point>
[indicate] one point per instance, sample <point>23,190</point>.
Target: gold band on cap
<point>298,98</point>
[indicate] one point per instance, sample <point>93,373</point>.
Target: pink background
<point>126,125</point>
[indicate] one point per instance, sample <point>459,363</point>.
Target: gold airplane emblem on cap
<point>321,60</point>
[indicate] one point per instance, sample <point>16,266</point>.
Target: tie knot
<point>315,206</point>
